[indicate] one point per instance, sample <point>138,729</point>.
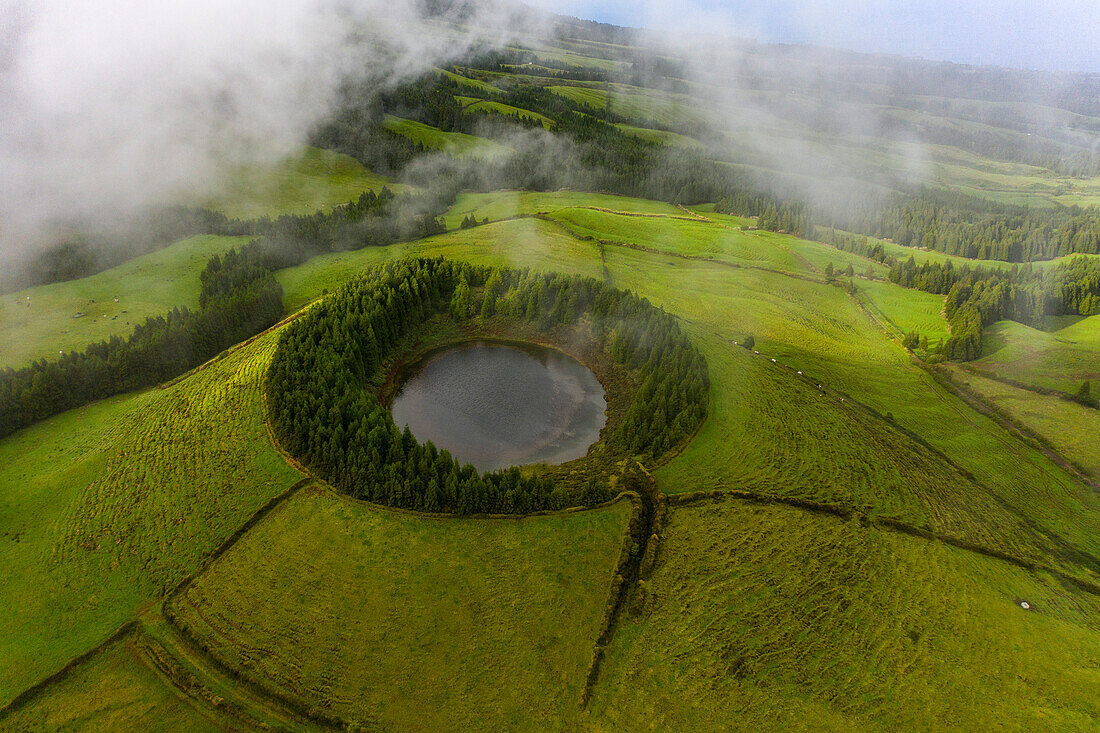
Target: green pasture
<point>771,618</point>
<point>38,322</point>
<point>108,506</point>
<point>1072,429</point>
<point>412,622</point>
<point>908,310</point>
<point>313,180</point>
<point>475,104</point>
<point>1061,358</point>
<point>454,143</point>
<point>504,204</point>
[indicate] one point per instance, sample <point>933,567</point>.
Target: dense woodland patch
<point>323,410</point>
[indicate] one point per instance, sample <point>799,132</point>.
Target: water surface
<point>496,405</point>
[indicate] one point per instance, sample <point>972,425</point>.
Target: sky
<point>1049,35</point>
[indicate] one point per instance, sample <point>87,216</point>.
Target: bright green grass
<point>473,103</point>
<point>465,81</point>
<point>504,204</point>
<point>434,624</point>
<point>112,690</point>
<point>770,618</point>
<point>109,505</point>
<point>580,60</point>
<point>821,255</point>
<point>454,143</point>
<point>314,180</point>
<point>659,136</point>
<point>818,329</point>
<point>1059,359</point>
<point>660,108</point>
<point>685,237</point>
<point>1071,428</point>
<point>908,310</point>
<point>38,322</point>
<point>517,243</point>
<point>707,211</point>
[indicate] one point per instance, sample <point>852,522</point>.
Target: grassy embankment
<point>1061,358</point>
<point>475,104</point>
<point>458,144</point>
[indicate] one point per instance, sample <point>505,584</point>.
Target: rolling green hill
<point>490,623</point>
<point>455,143</point>
<point>38,322</point>
<point>314,180</point>
<point>853,539</point>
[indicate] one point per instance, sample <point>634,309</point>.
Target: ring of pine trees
<point>325,383</point>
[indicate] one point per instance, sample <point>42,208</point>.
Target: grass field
<point>38,322</point>
<point>413,623</point>
<point>465,81</point>
<point>659,136</point>
<point>473,103</point>
<point>315,179</point>
<point>1072,429</point>
<point>632,103</point>
<point>908,310</point>
<point>517,243</point>
<point>1060,359</point>
<point>106,507</point>
<point>458,144</point>
<point>772,618</point>
<point>503,204</point>
<point>683,237</point>
<point>818,329</point>
<point>112,690</point>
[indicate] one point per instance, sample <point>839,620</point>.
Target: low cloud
<point>113,106</point>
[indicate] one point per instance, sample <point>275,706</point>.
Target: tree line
<point>588,151</point>
<point>324,412</point>
<point>239,298</point>
<point>975,228</point>
<point>977,297</point>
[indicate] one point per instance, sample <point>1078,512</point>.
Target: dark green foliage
<point>239,298</point>
<point>749,342</point>
<point>977,297</point>
<point>979,229</point>
<point>324,412</point>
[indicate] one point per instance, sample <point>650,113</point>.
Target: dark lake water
<point>496,405</point>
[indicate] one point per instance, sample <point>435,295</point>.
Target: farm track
<point>194,675</point>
